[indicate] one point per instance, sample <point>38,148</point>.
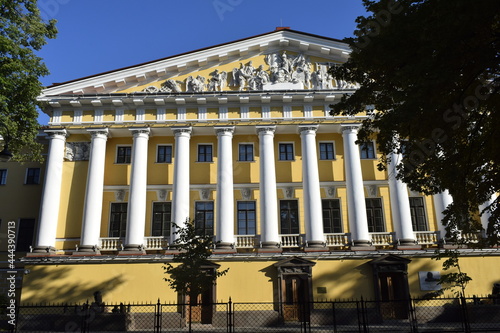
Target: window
<point>204,218</point>
<point>123,154</point>
<point>331,216</point>
<point>367,150</point>
<point>374,215</point>
<point>326,151</point>
<point>3,176</point>
<point>25,234</point>
<point>204,153</point>
<point>286,151</point>
<point>33,176</point>
<point>118,221</point>
<point>246,218</point>
<point>289,216</point>
<point>164,154</point>
<point>245,152</point>
<point>162,218</point>
<point>417,209</point>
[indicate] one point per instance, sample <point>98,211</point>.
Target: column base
<point>87,250</point>
<point>42,250</point>
<point>132,249</point>
<point>407,244</point>
<point>224,247</point>
<point>270,245</point>
<point>362,245</point>
<point>316,246</point>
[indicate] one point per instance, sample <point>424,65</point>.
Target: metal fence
<point>411,315</point>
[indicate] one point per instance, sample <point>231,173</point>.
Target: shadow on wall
<point>48,284</point>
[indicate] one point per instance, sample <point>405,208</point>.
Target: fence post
<point>334,318</point>
<point>465,314</point>
<point>363,315</point>
<point>230,316</point>
<point>413,316</point>
<point>158,313</point>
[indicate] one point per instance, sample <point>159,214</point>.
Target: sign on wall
<point>429,280</point>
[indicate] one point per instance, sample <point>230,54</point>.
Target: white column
<point>268,196</point>
<point>49,210</point>
<point>312,193</point>
<point>92,209</point>
<point>136,213</point>
<point>180,187</point>
<point>356,205</point>
<point>441,201</point>
<point>225,196</point>
<point>400,203</point>
<point>485,216</point>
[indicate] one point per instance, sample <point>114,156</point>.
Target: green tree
<point>191,276</point>
<point>22,33</point>
<point>430,68</point>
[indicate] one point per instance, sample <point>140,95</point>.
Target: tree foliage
<point>455,280</point>
<point>431,70</point>
<point>192,275</point>
<point>22,33</point>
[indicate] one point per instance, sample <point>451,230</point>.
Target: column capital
<point>98,132</point>
<point>224,130</point>
<point>266,128</point>
<point>182,131</point>
<point>57,133</point>
<point>350,128</point>
<point>140,131</point>
<point>308,128</point>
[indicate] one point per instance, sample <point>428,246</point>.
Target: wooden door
<point>394,301</point>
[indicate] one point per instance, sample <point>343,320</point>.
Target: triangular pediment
<point>390,259</point>
<point>294,262</point>
<point>279,60</point>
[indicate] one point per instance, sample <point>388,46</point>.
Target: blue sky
<point>100,35</point>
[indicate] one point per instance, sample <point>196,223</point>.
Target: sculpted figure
<point>195,84</point>
<point>217,81</point>
<point>171,86</point>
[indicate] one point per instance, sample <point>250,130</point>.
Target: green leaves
<point>22,32</point>
<point>453,281</point>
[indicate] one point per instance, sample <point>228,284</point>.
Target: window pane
<point>204,218</point>
<point>33,176</point>
<point>118,220</point>
<point>25,234</point>
<point>164,154</point>
<point>245,152</point>
<point>246,217</point>
<point>205,153</point>
<point>286,152</point>
<point>289,216</point>
<point>331,216</point>
<point>161,219</point>
<point>418,218</point>
<point>3,176</point>
<point>374,215</point>
<point>123,154</point>
<point>326,151</point>
<point>367,150</point>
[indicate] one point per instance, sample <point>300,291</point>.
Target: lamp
<point>5,154</point>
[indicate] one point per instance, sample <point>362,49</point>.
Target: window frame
<point>332,219</point>
<point>374,227</point>
<point>166,160</point>
<point>198,153</point>
<point>292,144</point>
<point>196,221</point>
<point>246,153</point>
<point>246,219</point>
<point>333,151</point>
<point>32,179</point>
<point>415,224</point>
<point>367,151</point>
<point>3,176</point>
<point>166,226</point>
<point>22,237</point>
<point>296,225</point>
<point>123,224</point>
<point>118,147</point>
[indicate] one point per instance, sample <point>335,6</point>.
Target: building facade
<point>236,138</point>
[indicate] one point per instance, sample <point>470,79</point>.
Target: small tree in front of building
<point>191,276</point>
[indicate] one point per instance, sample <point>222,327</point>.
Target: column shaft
<point>312,192</point>
<point>225,196</point>
<point>92,210</point>
<point>441,201</point>
<point>268,196</point>
<point>49,211</point>
<point>136,215</point>
<point>180,189</point>
<point>358,222</point>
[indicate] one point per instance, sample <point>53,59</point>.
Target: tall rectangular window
<point>331,216</point>
<point>417,209</point>
<point>245,152</point>
<point>164,154</point>
<point>118,220</point>
<point>204,218</point>
<point>123,154</point>
<point>204,153</point>
<point>326,151</point>
<point>289,216</point>
<point>246,218</point>
<point>25,233</point>
<point>3,176</point>
<point>162,218</point>
<point>286,151</point>
<point>367,150</point>
<point>32,176</point>
<point>375,215</point>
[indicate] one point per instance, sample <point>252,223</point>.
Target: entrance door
<point>394,298</point>
<point>296,295</point>
<point>202,309</point>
